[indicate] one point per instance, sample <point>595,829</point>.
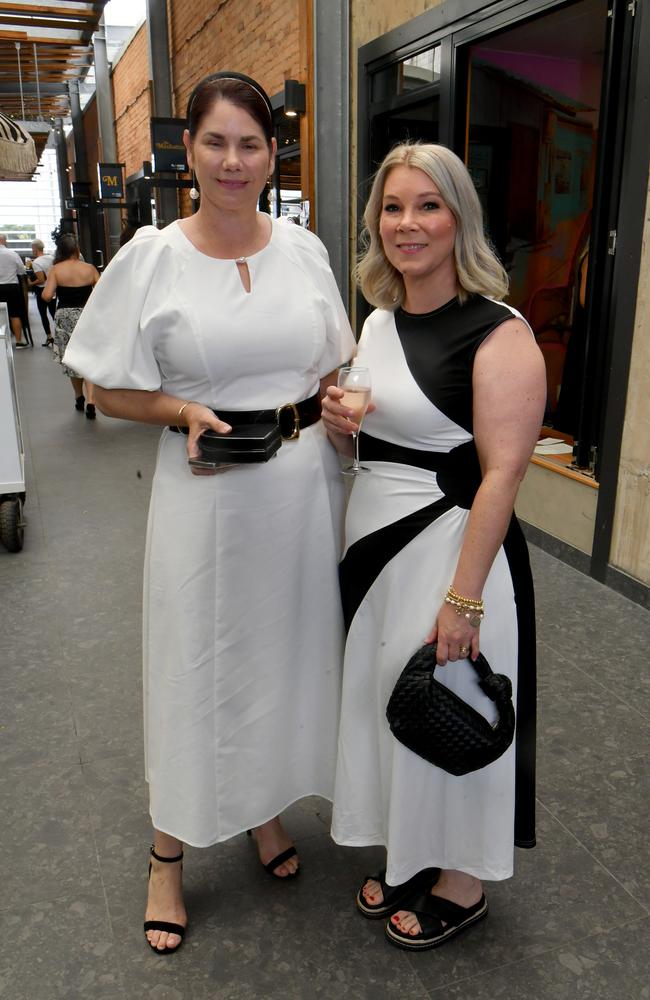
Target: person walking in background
<point>41,265</point>
<point>129,229</point>
<point>71,281</point>
<point>11,292</point>
<point>459,387</point>
<point>226,318</point>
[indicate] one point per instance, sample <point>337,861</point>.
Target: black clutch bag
<point>439,726</point>
<point>245,443</point>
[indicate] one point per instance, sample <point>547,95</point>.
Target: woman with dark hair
<point>434,552</point>
<point>70,281</point>
<point>221,319</point>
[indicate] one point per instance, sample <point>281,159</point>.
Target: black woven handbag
<point>439,726</point>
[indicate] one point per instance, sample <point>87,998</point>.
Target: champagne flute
<point>356,385</point>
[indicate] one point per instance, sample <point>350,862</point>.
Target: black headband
<point>238,78</point>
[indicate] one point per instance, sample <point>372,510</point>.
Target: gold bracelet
<point>473,615</point>
<point>470,601</point>
<point>180,412</point>
<point>466,607</point>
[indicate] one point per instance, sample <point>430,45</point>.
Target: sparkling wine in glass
<point>355,382</point>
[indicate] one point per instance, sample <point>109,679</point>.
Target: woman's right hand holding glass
<point>339,419</point>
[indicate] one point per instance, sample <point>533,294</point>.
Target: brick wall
<point>130,81</point>
<point>258,38</point>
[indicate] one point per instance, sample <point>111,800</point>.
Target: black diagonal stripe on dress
<point>366,558</point>
<point>516,551</point>
<point>458,477</point>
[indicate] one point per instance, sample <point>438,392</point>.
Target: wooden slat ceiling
<point>55,47</point>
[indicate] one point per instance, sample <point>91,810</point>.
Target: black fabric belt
<point>458,472</point>
<point>291,418</point>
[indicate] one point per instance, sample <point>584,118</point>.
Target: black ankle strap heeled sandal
<point>164,925</point>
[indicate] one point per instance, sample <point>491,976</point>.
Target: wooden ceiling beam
<point>53,60</point>
<point>28,8</point>
<point>22,36</point>
<point>54,57</point>
<point>37,22</point>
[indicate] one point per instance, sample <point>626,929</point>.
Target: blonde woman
<point>432,545</point>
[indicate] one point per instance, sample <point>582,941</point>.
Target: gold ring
<point>463,650</point>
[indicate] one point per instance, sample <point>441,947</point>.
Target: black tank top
<point>72,297</point>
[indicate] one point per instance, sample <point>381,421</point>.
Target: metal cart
<point>12,457</point>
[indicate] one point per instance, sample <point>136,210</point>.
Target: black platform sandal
<point>278,860</point>
<point>79,403</point>
<point>90,411</point>
<point>439,920</point>
<point>164,925</point>
<point>394,895</point>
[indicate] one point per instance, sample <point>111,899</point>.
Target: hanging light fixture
<point>17,151</point>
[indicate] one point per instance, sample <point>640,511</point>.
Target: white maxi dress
<point>242,627</point>
<point>405,526</point>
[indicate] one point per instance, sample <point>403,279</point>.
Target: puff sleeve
<point>108,345</point>
<point>305,248</point>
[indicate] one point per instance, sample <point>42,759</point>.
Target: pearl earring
<point>195,194</point>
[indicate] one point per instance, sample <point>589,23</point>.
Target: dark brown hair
<point>66,247</point>
<point>240,90</point>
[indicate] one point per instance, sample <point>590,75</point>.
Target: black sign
<point>167,146</point>
<point>111,184</point>
<point>81,194</point>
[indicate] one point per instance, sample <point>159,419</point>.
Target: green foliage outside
<point>16,231</point>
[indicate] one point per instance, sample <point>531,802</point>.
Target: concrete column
<point>332,134</point>
<point>160,75</point>
<point>106,120</point>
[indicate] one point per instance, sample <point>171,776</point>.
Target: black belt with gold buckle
<point>291,418</point>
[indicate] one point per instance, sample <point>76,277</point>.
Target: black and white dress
<point>404,531</point>
<point>70,301</point>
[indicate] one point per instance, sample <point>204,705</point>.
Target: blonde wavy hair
<point>478,269</point>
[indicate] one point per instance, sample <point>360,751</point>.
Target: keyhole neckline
<point>237,260</point>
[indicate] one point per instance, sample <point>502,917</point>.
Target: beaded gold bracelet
<point>466,607</point>
<point>472,602</point>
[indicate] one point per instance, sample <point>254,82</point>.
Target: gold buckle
<point>295,430</point>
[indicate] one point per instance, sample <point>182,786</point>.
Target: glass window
<point>534,105</point>
<point>417,121</point>
<point>287,132</point>
<point>413,73</point>
<point>284,197</point>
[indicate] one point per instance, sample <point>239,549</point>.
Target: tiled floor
<point>574,923</point>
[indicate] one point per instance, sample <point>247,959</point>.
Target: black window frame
<point>283,152</point>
